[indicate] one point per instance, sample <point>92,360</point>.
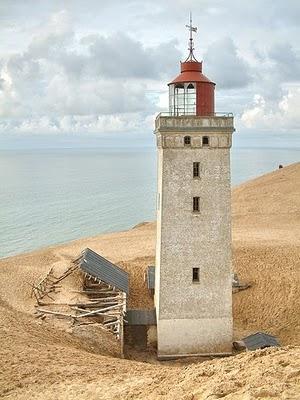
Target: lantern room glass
<point>182,99</point>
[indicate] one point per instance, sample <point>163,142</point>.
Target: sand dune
<point>39,361</point>
<point>266,249</point>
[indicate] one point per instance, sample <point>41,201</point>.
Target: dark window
<point>205,141</point>
<point>195,274</point>
<point>196,204</point>
<point>196,170</point>
<point>187,140</point>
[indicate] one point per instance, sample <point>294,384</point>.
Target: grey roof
<point>151,277</point>
<point>102,269</point>
<point>260,340</point>
<point>141,317</point>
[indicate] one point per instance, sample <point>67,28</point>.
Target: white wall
<point>194,318</point>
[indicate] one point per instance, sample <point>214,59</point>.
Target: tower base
<point>194,337</point>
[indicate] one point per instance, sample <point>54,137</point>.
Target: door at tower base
<point>194,337</point>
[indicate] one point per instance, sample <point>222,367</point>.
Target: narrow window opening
<point>196,204</point>
<point>195,274</point>
<point>205,141</point>
<point>196,169</point>
<point>187,140</point>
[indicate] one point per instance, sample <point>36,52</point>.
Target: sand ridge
<point>39,361</point>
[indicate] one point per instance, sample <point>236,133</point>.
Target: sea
<point>52,196</point>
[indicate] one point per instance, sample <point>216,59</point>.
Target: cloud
<point>225,66</point>
<point>64,65</point>
<point>59,76</point>
<point>53,36</point>
<point>284,116</point>
<point>2,83</point>
<point>120,56</point>
<point>273,69</point>
<point>287,62</point>
<point>78,124</point>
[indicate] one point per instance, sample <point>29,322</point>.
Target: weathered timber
<point>56,313</point>
<point>95,312</point>
<point>117,297</point>
<point>111,323</point>
<point>93,292</point>
<point>92,305</point>
<point>104,315</point>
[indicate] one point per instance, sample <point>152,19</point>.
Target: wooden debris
<point>49,284</point>
<point>237,285</point>
<point>43,311</point>
<point>104,306</point>
<point>240,287</point>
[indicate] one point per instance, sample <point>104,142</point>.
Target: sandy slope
<point>266,248</point>
<point>38,361</point>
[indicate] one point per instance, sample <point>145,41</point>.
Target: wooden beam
<point>101,310</point>
<point>111,323</point>
<point>92,305</point>
<point>56,313</point>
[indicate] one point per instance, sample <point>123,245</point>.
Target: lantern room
<point>191,92</point>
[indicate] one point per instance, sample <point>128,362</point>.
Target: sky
<point>95,72</point>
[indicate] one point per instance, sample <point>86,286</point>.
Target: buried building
<point>99,301</point>
<point>193,293</point>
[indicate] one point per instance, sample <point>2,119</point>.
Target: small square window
<point>196,204</point>
<point>205,141</point>
<point>195,274</point>
<point>187,140</point>
<point>196,169</point>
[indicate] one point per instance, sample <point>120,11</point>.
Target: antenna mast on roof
<point>192,29</point>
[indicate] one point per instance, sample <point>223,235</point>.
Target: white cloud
<point>59,78</point>
<point>68,67</point>
<point>284,116</point>
<point>78,124</point>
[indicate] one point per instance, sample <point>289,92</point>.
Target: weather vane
<point>192,29</point>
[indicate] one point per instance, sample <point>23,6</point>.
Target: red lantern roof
<point>191,71</point>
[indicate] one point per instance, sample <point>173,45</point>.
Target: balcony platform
<point>218,122</point>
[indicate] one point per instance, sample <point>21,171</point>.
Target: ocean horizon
<point>51,196</point>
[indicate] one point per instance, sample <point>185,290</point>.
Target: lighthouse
<point>193,293</point>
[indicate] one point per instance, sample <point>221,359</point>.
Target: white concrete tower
<point>193,293</point>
